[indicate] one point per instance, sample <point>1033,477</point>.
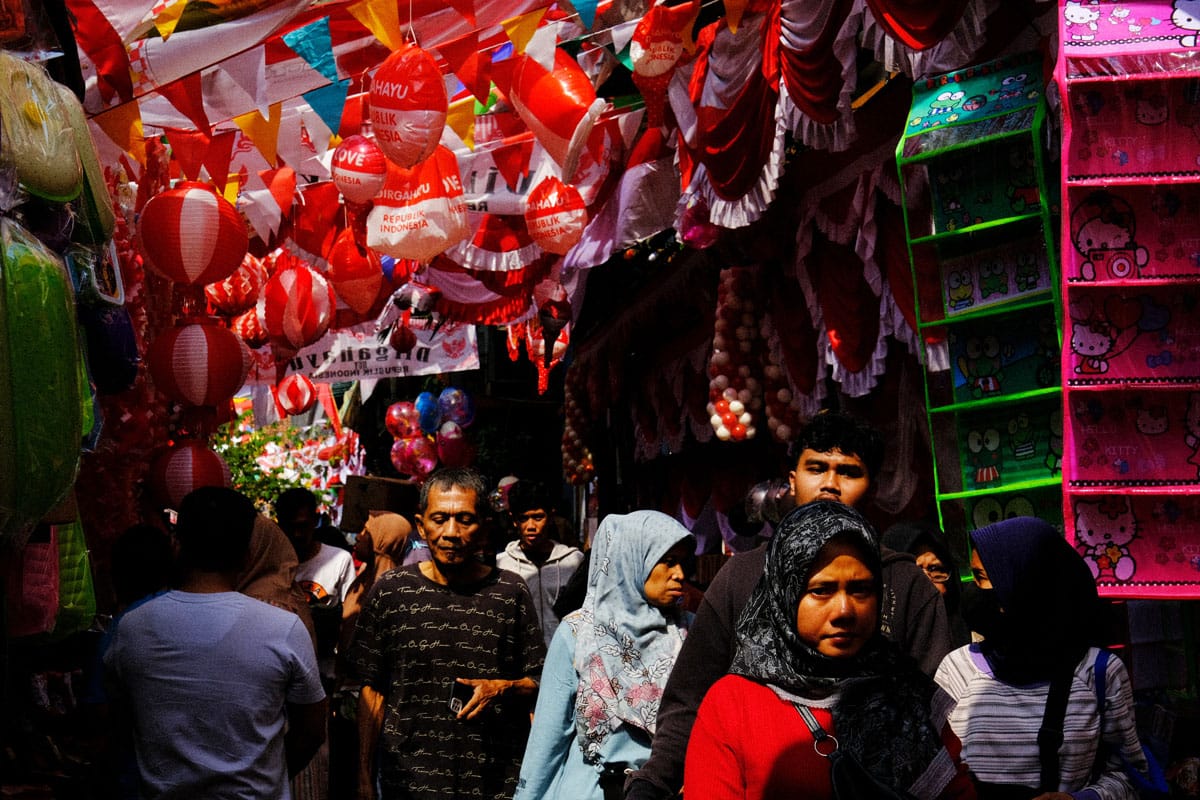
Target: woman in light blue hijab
<point>609,661</point>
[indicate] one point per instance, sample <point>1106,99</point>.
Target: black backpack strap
<point>1050,736</point>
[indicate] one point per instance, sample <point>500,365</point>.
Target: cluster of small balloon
<point>431,430</point>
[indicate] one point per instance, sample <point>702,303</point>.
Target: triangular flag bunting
<point>621,34</point>
<point>168,18</point>
<point>629,124</point>
<point>512,160</point>
<point>502,74</point>
<point>328,102</point>
<point>460,118</point>
<point>187,95</point>
<point>542,46</point>
<point>314,45</point>
<point>521,29</point>
<point>587,12</point>
<point>472,69</point>
<point>381,18</point>
<point>123,125</point>
<point>733,13</point>
<point>216,162</point>
<point>262,132</point>
<point>188,148</point>
<point>457,51</point>
<point>281,183</point>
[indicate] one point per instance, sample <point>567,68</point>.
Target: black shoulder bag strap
<point>1050,737</point>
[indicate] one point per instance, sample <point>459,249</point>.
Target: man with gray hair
<point>448,652</point>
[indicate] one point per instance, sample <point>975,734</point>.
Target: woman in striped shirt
<point>1036,606</point>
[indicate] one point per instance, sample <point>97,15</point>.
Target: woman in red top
<point>810,637</point>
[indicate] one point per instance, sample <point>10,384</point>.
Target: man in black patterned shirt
<point>448,622</point>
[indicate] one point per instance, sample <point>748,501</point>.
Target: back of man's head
<point>832,430</point>
<point>529,495</point>
<point>214,529</point>
<point>452,477</point>
<point>293,501</point>
<point>142,561</point>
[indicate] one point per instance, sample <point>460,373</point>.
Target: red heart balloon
<point>355,272</point>
<point>1123,312</point>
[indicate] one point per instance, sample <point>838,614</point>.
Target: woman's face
<point>839,609</point>
<point>364,548</point>
<point>664,587</point>
<point>978,572</point>
<point>934,569</point>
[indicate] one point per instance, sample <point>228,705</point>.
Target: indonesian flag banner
<point>355,353</point>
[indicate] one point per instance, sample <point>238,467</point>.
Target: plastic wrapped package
<point>38,137</point>
<point>76,591</point>
<point>40,419</point>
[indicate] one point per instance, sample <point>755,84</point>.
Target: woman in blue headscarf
<point>609,661</point>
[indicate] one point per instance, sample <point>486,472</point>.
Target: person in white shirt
<point>544,564</point>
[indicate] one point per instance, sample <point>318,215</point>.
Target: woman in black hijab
<point>808,642</point>
<point>927,544</point>
<point>1035,604</point>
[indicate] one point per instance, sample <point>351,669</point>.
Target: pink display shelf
<point>1129,76</point>
<point>1138,545</point>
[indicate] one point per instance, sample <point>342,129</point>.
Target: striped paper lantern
<point>192,235</point>
<point>199,363</point>
<point>186,466</point>
<point>295,394</point>
<point>296,307</point>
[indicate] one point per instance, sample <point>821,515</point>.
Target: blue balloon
<point>428,411</point>
<point>456,406</point>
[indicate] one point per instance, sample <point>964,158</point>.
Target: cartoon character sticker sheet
<point>1131,233</point>
<point>1003,355</point>
<point>1148,438</point>
<point>1139,545</point>
<point>1004,445</point>
<point>984,185</point>
<point>994,275</point>
<point>1003,86</point>
<point>1106,28</point>
<point>1045,503</point>
<point>1131,335</point>
<point>1134,128</point>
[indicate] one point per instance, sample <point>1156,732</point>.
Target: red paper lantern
<point>248,327</point>
<point>187,466</point>
<point>408,105</point>
<point>296,307</point>
<point>296,394</point>
<point>240,290</point>
<point>555,215</point>
<point>192,235</point>
<point>356,273</point>
<point>199,363</point>
<point>559,106</point>
<point>359,168</point>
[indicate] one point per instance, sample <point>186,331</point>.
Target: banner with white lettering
<point>355,353</point>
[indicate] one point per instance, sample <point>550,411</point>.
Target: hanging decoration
<point>555,215</point>
<point>732,390</point>
<point>296,394</point>
<point>296,305</point>
<point>578,467</point>
<point>359,168</point>
<point>420,211</point>
<point>249,329</point>
<point>37,141</point>
<point>408,106</point>
<point>199,363</point>
<point>186,466</point>
<point>356,273</point>
<point>659,41</point>
<point>192,235</point>
<point>430,430</point>
<point>560,107</point>
<point>239,291</point>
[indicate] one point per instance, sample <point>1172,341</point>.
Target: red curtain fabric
<point>919,24</point>
<point>812,71</point>
<point>850,308</point>
<point>797,337</point>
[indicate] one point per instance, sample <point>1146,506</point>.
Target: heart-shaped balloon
<point>1122,312</point>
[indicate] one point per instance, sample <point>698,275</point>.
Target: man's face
<point>301,529</point>
<point>829,476</point>
<point>451,528</point>
<point>533,528</point>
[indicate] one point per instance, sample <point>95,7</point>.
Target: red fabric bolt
<point>296,306</point>
<point>199,363</point>
<point>187,466</point>
<point>192,235</point>
<point>296,394</point>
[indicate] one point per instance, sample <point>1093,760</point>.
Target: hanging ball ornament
<point>359,168</point>
<point>402,420</point>
<point>296,394</point>
<point>408,106</point>
<point>555,216</point>
<point>199,363</point>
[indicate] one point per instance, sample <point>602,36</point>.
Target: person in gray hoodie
<point>545,564</point>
